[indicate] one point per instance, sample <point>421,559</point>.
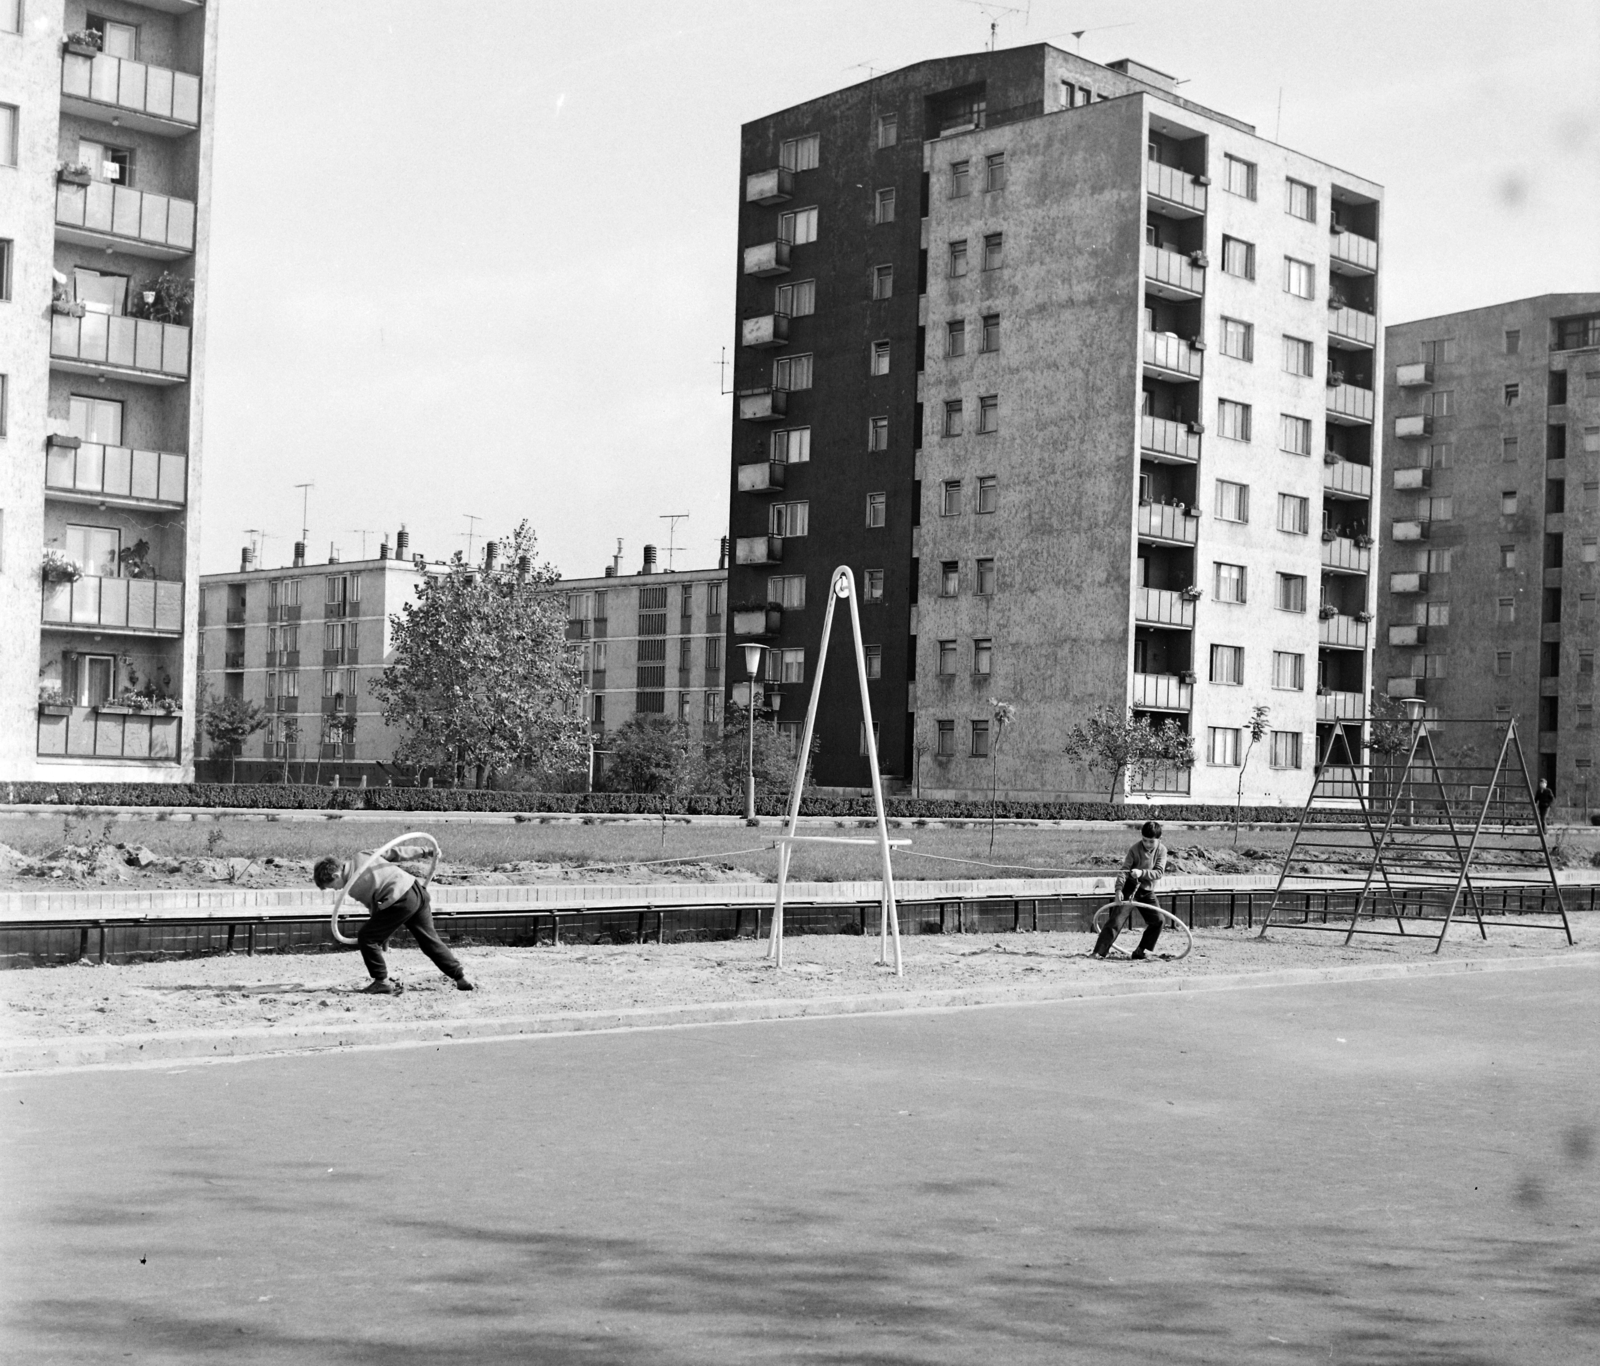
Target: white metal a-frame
<point>841,585</point>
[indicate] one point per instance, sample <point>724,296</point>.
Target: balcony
<point>276,613</point>
<point>132,606</point>
<point>763,405</point>
<point>104,215</point>
<point>1346,633</point>
<point>1161,607</point>
<point>767,330</point>
<point>1166,522</point>
<point>1412,480</point>
<point>1408,581</point>
<point>757,621</point>
<point>1407,686</point>
<point>233,659</point>
<point>1349,404</point>
<point>92,473</point>
<point>110,733</point>
<point>235,616</point>
<point>333,659</point>
<point>1352,325</point>
<point>578,628</point>
<point>1342,553</point>
<point>1162,692</point>
<point>772,186</point>
<point>130,94</point>
<point>767,258</point>
<point>1168,274</point>
<point>1416,375</point>
<point>1409,531</point>
<point>1345,476</point>
<point>1161,437</point>
<point>1407,635</point>
<point>1353,254</point>
<point>1413,427</point>
<point>1171,356</point>
<point>1182,196</point>
<point>758,550</point>
<point>127,348</point>
<point>1161,778</point>
<point>765,476</point>
<point>1340,706</point>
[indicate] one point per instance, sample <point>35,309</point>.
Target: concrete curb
<point>41,1056</point>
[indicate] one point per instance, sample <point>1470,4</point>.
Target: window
<point>994,245</point>
<point>874,655</point>
<point>1294,514</point>
<point>1294,434</point>
<point>791,372</point>
<point>1437,561</point>
<point>800,154</point>
<point>1239,258</point>
<point>8,135</point>
<point>1300,200</point>
<point>989,414</point>
<point>1288,671</point>
<point>994,171</point>
<point>787,590</point>
<point>1505,611</point>
<point>1513,341</point>
<point>880,358</point>
<point>1233,501</point>
<point>1238,339</point>
<point>1436,614</point>
<point>877,509</point>
<point>1502,663</point>
<point>1228,582</point>
<point>991,333</point>
<point>1239,177</point>
<point>1233,419</point>
<point>1291,592</point>
<point>1439,352</point>
<point>1438,403</point>
<point>1227,664</point>
<point>5,265</point>
<point>982,657</point>
<point>798,300</point>
<point>791,665</point>
<point>950,498</point>
<point>960,179</point>
<point>955,338</point>
<point>945,743</point>
<point>789,519</point>
<point>986,578</point>
<point>791,445</point>
<point>1572,333</point>
<point>988,492</point>
<point>1512,395</point>
<point>1222,746</point>
<point>952,417</point>
<point>872,585</point>
<point>1508,503</point>
<point>1434,458</point>
<point>888,130</point>
<point>1433,666</point>
<point>883,282</point>
<point>1586,661</point>
<point>1285,749</point>
<point>94,549</point>
<point>885,209</point>
<point>980,740</point>
<point>949,578</point>
<point>1299,357</point>
<point>798,226</point>
<point>947,659</point>
<point>958,259</point>
<point>1438,509</point>
<point>877,433</point>
<point>106,162</point>
<point>1508,449</point>
<point>1299,278</point>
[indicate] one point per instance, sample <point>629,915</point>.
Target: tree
<point>338,728</point>
<point>1258,729</point>
<point>648,754</point>
<point>720,765</point>
<point>1117,744</point>
<point>482,676</point>
<point>1004,713</point>
<point>228,722</point>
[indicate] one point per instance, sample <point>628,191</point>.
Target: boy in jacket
<point>1146,861</point>
<point>395,898</point>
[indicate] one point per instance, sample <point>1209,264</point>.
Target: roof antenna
<point>671,519</point>
<point>1277,128</point>
<point>994,13</point>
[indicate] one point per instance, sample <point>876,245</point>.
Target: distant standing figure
<point>395,898</point>
<point>1544,799</point>
<point>1146,861</point>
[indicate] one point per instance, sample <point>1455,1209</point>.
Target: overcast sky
<point>478,257</point>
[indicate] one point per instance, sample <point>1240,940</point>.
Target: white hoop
<point>1168,920</point>
<point>378,853</point>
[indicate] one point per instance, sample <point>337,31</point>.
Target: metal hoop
<point>1168,920</point>
<point>378,853</point>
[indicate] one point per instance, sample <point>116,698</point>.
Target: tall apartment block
<point>1078,376</point>
<point>1492,553</point>
<point>105,171</point>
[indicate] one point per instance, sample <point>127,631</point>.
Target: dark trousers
<point>1132,890</point>
<point>415,911</point>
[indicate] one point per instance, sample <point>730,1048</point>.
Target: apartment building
<point>652,644</point>
<point>105,172</point>
<point>1492,552</point>
<point>1079,378</point>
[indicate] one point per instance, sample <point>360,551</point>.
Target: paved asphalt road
<point>1397,1172</point>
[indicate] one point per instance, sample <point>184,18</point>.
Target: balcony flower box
<point>1364,542</point>
<point>54,709</point>
<point>1329,458</point>
<point>1199,259</point>
<point>1328,537</point>
<point>115,709</point>
<point>1324,692</point>
<point>56,567</point>
<point>1187,676</point>
<point>1197,427</point>
<point>1335,378</point>
<point>84,42</point>
<point>73,173</point>
<point>67,308</point>
<point>1193,593</point>
<point>1327,613</point>
<point>1363,616</point>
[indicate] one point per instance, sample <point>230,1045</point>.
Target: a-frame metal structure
<point>1416,838</point>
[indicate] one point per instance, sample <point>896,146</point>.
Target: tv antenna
<point>722,373</point>
<point>470,532</point>
<point>305,511</point>
<point>866,66</point>
<point>1077,34</point>
<point>362,532</point>
<point>995,13</point>
<point>672,519</point>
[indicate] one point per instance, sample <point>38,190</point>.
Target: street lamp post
<point>752,666</point>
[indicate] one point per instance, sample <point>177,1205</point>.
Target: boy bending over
<point>395,898</point>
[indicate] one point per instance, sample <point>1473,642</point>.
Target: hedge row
<point>289,796</point>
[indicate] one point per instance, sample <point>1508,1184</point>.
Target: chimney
<point>616,561</point>
<point>611,571</point>
<point>524,566</point>
<point>722,554</point>
<point>383,550</point>
<point>402,543</point>
<point>649,566</point>
<point>299,554</point>
<point>490,551</point>
<point>247,560</point>
<point>333,553</point>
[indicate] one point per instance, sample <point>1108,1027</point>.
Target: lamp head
<point>752,659</point>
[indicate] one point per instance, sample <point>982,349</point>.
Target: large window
<point>1288,671</point>
<point>883,282</point>
<point>877,509</point>
<point>1294,514</point>
<point>994,171</point>
<point>1228,582</point>
<point>1238,176</point>
<point>94,549</point>
<point>952,417</point>
<point>798,226</point>
<point>955,338</point>
<point>787,590</point>
<point>885,205</point>
<point>97,420</point>
<point>877,433</point>
<point>800,154</point>
<point>1239,258</point>
<point>989,414</point>
<point>994,248</point>
<point>1233,501</point>
<point>960,179</point>
<point>950,498</point>
<point>980,740</point>
<point>1299,357</point>
<point>947,659</point>
<point>1285,749</point>
<point>789,519</point>
<point>791,445</point>
<point>888,130</point>
<point>798,300</point>
<point>1300,200</point>
<point>983,657</point>
<point>945,743</point>
<point>1291,592</point>
<point>986,578</point>
<point>880,358</point>
<point>1233,419</point>
<point>988,492</point>
<point>1294,434</point>
<point>991,333</point>
<point>1227,664</point>
<point>1238,339</point>
<point>872,585</point>
<point>1299,278</point>
<point>949,578</point>
<point>1222,746</point>
<point>958,259</point>
<point>791,372</point>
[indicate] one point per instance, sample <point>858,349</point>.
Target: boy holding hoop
<point>394,898</point>
<point>1146,861</point>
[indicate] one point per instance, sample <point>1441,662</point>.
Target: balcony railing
<point>1350,401</point>
<point>1164,522</point>
<point>1345,476</point>
<point>233,659</point>
<point>1160,436</point>
<point>158,99</point>
<point>1171,354</point>
<point>117,472</point>
<point>153,606</point>
<point>1408,581</point>
<point>1357,253</point>
<point>578,628</point>
<point>1413,479</point>
<point>1340,781</point>
<point>97,733</point>
<point>1343,553</point>
<point>132,345</point>
<point>765,476</point>
<point>100,213</point>
<point>763,405</point>
<point>772,186</point>
<point>1417,374</point>
<point>287,612</point>
<point>1409,531</point>
<point>1176,187</point>
<point>1340,706</point>
<point>758,621</point>
<point>332,659</point>
<point>1407,686</point>
<point>1353,325</point>
<point>1408,634</point>
<point>765,330</point>
<point>1162,692</point>
<point>1177,273</point>
<point>767,258</point>
<point>1348,633</point>
<point>1413,427</point>
<point>1160,607</point>
<point>1161,778</point>
<point>758,550</point>
<point>235,615</point>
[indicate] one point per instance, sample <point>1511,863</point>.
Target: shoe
<point>1138,953</point>
<point>383,986</point>
<point>463,985</point>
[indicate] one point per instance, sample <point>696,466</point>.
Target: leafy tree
<point>1258,729</point>
<point>228,722</point>
<point>482,676</point>
<point>720,765</point>
<point>648,754</point>
<point>1117,744</point>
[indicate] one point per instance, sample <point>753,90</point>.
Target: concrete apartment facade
<point>1079,378</point>
<point>1492,550</point>
<point>105,173</point>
